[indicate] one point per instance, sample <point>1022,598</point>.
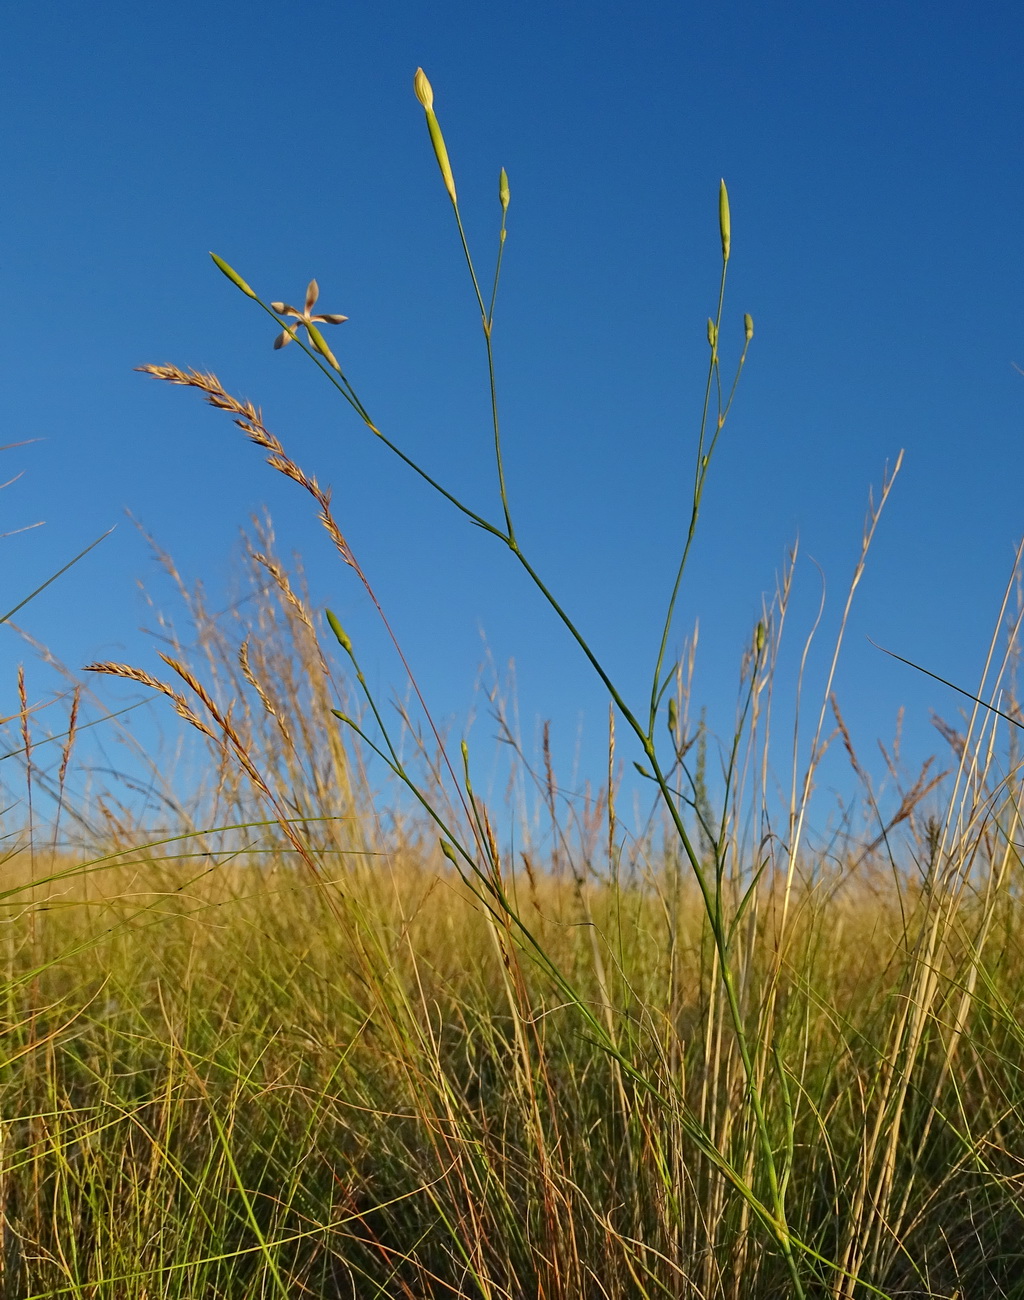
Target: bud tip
<point>724,220</point>
<point>424,90</point>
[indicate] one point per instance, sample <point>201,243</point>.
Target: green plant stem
<point>488,336</point>
<point>342,384</point>
<point>712,904</point>
<point>703,461</point>
<point>711,899</point>
<point>510,535</point>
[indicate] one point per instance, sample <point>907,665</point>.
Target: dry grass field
<point>325,1034</point>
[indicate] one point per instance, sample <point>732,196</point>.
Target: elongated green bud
<point>712,332</point>
<point>759,636</point>
<point>232,275</point>
<point>724,220</point>
<point>449,852</point>
<point>320,343</point>
<point>748,327</point>
<point>424,90</point>
<point>673,715</point>
<point>425,94</point>
<point>503,191</point>
<point>441,154</point>
<point>342,636</point>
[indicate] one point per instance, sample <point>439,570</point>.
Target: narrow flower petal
<point>282,307</point>
<point>282,339</point>
<point>312,293</point>
<point>330,319</point>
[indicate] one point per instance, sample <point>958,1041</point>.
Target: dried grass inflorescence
<point>139,675</point>
<point>249,419</point>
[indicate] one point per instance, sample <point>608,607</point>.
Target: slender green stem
<point>712,905</point>
<point>510,534</point>
<point>342,384</point>
<point>469,263</point>
<point>497,266</point>
<point>712,899</point>
<point>487,320</point>
<point>577,636</point>
<point>703,460</point>
<point>488,333</point>
<point>720,938</point>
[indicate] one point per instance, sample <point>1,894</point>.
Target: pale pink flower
<point>306,319</point>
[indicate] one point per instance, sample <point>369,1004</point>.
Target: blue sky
<point>872,154</point>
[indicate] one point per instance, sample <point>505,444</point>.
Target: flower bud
<point>673,715</point>
<point>448,852</point>
<point>425,94</point>
<point>424,90</point>
<point>342,636</point>
<point>320,343</point>
<point>748,327</point>
<point>232,275</point>
<point>712,333</point>
<point>759,636</point>
<point>503,190</point>
<point>724,220</point>
<point>441,154</point>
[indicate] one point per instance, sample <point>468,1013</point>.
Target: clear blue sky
<point>872,153</point>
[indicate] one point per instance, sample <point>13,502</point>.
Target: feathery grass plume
<point>138,675</point>
<point>232,275</point>
<point>250,419</point>
<point>724,220</point>
<point>425,94</point>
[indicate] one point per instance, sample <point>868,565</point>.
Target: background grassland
<point>324,1035</point>
<point>226,1076</point>
<point>213,1089</point>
